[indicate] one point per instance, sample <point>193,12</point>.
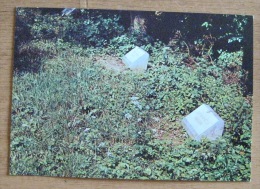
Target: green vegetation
<point>72,117</point>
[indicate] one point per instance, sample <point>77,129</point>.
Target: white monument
<point>136,59</point>
<point>203,122</point>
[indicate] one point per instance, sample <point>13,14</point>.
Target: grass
<point>74,118</point>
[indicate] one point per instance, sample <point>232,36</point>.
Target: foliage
<point>122,44</point>
<point>87,30</point>
<point>33,27</point>
<point>53,116</point>
<point>73,118</point>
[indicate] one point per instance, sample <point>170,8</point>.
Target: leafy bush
<point>86,30</point>
<point>121,45</point>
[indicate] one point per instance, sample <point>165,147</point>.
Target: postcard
<point>147,95</point>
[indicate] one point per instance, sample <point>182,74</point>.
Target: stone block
<point>203,122</point>
<point>136,59</point>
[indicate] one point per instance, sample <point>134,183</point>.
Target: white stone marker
<point>203,122</point>
<point>136,59</point>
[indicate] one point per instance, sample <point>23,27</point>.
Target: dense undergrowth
<point>72,117</point>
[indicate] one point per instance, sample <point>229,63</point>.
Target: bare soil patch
<point>110,63</point>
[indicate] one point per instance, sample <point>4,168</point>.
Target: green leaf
<point>148,171</point>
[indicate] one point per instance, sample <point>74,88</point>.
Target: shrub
<point>86,30</point>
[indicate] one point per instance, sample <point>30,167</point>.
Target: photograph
<point>127,94</point>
